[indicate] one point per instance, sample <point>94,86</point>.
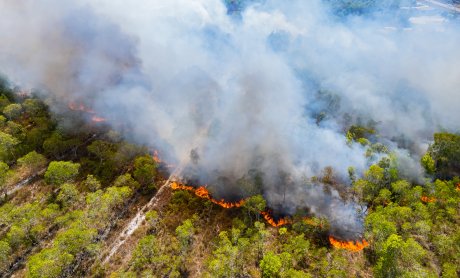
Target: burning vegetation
<point>354,246</point>
<point>75,106</point>
<point>427,199</point>
<point>274,222</point>
<point>202,192</point>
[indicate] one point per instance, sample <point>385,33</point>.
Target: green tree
<point>92,183</point>
<point>298,247</point>
<point>5,251</point>
<point>59,172</point>
<point>126,180</point>
<point>12,111</point>
<point>145,251</point>
<point>399,258</point>
<point>228,259</point>
<point>145,170</point>
<point>33,107</point>
<point>68,194</point>
<point>445,152</point>
<point>270,265</point>
<point>33,160</point>
<point>48,263</point>
<point>75,240</point>
<point>3,173</point>
<point>254,205</point>
<point>56,146</point>
<point>7,145</point>
<point>185,233</point>
<point>428,164</point>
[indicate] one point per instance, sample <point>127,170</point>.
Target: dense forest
<point>69,189</point>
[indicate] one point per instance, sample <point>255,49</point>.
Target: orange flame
<point>203,193</point>
<point>156,157</point>
<point>458,187</point>
<point>427,199</point>
<point>348,245</point>
<point>80,107</point>
<point>177,186</point>
<point>158,160</point>
<point>269,218</point>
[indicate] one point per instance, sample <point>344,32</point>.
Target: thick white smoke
<point>234,98</point>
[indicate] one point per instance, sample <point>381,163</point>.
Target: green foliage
<point>185,232</point>
<point>5,251</point>
<point>7,145</point>
<point>399,258</point>
<point>56,145</point>
<point>12,111</point>
<point>75,240</point>
<point>428,163</point>
<point>445,152</point>
<point>59,172</point>
<point>145,252</point>
<point>4,101</point>
<point>369,187</point>
<point>152,254</point>
<point>228,259</point>
<point>270,265</point>
<point>255,204</point>
<point>298,247</point>
<point>3,173</point>
<point>92,183</point>
<point>145,170</point>
<point>33,107</point>
<point>360,132</point>
<point>68,194</point>
<point>48,263</point>
<point>33,160</point>
<point>126,180</point>
<point>101,204</point>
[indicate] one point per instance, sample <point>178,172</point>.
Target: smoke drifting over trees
<point>261,96</point>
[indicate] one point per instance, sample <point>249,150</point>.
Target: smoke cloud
<point>234,95</point>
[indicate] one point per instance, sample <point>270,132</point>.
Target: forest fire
<point>158,160</point>
<point>348,245</point>
<point>458,187</point>
<point>74,106</point>
<point>275,223</point>
<point>177,186</point>
<point>156,157</point>
<point>203,193</point>
<point>427,199</point>
<point>80,107</point>
<point>97,119</point>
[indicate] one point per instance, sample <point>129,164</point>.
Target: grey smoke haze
<point>242,92</point>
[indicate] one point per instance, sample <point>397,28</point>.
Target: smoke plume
<point>251,99</point>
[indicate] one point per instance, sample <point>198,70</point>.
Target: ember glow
<point>427,199</point>
<point>74,106</point>
<point>97,119</point>
<point>348,245</point>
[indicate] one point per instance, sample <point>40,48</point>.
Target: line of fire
<point>202,192</point>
